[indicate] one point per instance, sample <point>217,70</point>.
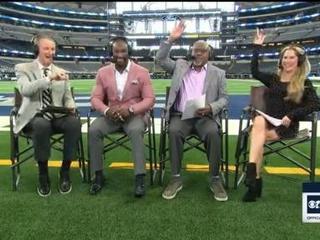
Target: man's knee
<point>135,130</point>
<point>95,130</point>
<point>41,126</point>
<point>174,130</point>
<point>213,133</point>
<point>74,124</point>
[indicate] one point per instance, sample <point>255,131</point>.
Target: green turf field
<point>116,214</point>
<point>234,86</point>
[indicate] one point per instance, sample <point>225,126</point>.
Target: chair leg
<point>14,159</point>
<point>150,150</point>
<point>82,160</point>
<point>236,174</point>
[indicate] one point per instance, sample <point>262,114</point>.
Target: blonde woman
<point>290,97</point>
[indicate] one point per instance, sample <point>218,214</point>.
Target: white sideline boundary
<point>233,125</point>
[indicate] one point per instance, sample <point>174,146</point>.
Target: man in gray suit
<point>192,81</point>
<point>42,84</point>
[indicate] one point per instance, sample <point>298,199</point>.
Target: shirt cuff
<point>106,110</point>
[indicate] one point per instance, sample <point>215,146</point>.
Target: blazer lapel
<point>209,75</point>
<point>54,69</point>
<point>35,71</point>
<point>129,80</point>
<point>111,81</point>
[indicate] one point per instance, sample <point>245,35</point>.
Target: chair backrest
<point>17,98</point>
<point>167,95</point>
<point>257,97</point>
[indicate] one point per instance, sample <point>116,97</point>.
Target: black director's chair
<point>22,146</point>
<point>304,160</point>
<point>121,139</point>
<point>193,142</point>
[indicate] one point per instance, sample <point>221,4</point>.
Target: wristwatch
<point>131,110</point>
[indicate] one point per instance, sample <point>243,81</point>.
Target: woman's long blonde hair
<point>296,86</point>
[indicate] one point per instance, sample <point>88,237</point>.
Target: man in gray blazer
<point>192,81</point>
<point>43,84</point>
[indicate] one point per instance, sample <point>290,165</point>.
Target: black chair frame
<point>20,153</point>
<point>121,139</point>
<point>303,136</point>
<point>193,141</point>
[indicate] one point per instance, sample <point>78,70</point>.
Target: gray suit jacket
<point>215,81</point>
<point>31,85</point>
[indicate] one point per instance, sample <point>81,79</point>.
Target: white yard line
<point>233,125</point>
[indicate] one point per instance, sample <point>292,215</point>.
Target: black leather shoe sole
<point>43,193</point>
<point>250,196</point>
<point>139,191</point>
<point>95,188</point>
<point>65,187</point>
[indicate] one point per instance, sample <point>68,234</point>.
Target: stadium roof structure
<point>103,6</point>
<point>98,7</point>
<point>255,4</point>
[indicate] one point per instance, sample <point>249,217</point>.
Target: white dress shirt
<point>121,79</point>
<point>42,68</point>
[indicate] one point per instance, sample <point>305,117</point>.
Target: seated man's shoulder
<point>181,61</point>
<point>140,68</point>
<point>60,68</point>
<point>105,68</point>
<point>217,69</point>
<point>23,66</point>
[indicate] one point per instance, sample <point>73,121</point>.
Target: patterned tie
<point>46,98</point>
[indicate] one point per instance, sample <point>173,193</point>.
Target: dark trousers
<point>208,131</point>
<point>134,128</point>
<point>41,129</point>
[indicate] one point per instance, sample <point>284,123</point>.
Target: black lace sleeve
<point>266,78</point>
<point>310,103</point>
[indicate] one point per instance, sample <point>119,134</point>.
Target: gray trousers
<point>134,127</point>
<point>208,131</point>
<point>41,130</point>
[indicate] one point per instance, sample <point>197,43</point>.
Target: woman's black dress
<point>277,106</point>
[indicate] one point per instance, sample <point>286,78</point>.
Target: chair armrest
<point>312,117</point>
<point>14,111</point>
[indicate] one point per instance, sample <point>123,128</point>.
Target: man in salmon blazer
<point>124,96</point>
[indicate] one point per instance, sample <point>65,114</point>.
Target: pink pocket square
<point>134,82</point>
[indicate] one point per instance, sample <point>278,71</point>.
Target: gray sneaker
<point>174,186</point>
<point>218,190</point>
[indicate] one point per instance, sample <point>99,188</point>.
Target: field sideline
<point>116,214</point>
<point>234,86</point>
<point>84,86</point>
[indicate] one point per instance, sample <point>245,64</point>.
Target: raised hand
<point>259,37</point>
<point>177,31</point>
